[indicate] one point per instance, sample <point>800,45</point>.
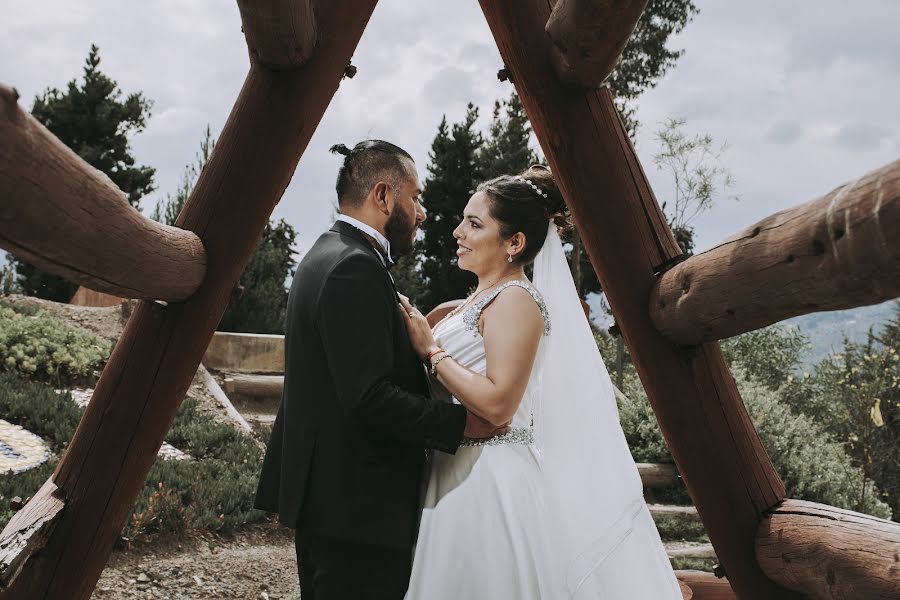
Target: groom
<point>344,462</point>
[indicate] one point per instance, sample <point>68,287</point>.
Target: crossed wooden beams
<point>557,53</point>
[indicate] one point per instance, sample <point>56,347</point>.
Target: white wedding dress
<point>525,516</point>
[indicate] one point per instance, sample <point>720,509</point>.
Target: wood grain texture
<point>704,586</point>
<point>589,37</point>
<point>64,216</point>
<point>281,34</point>
<point>830,553</point>
<point>157,355</point>
<point>839,251</point>
<point>28,530</point>
<point>718,453</point>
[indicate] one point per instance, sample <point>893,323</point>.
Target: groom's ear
<point>380,192</point>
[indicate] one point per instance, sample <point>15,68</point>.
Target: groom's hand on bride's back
<point>478,428</point>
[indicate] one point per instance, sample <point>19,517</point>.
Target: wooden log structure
<point>657,475</point>
<point>704,586</point>
<point>829,552</point>
<point>589,36</point>
<point>281,34</point>
<point>28,531</point>
<point>256,386</point>
<point>839,251</point>
<point>157,355</point>
<point>705,423</point>
<point>66,217</point>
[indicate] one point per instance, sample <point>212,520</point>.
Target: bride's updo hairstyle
<point>519,207</point>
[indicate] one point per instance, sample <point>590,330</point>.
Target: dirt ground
<point>259,563</point>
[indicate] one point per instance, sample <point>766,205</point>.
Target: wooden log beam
<point>657,475</point>
<point>256,386</point>
<point>64,216</point>
<point>589,37</point>
<point>830,553</point>
<point>281,34</point>
<point>157,355</point>
<point>705,586</point>
<point>706,426</point>
<point>838,251</point>
<point>28,530</point>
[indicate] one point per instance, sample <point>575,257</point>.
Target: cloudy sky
<point>805,93</point>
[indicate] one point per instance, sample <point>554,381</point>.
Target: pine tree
<point>260,303</point>
<point>168,210</point>
<point>453,174</point>
<point>646,57</point>
<point>95,121</point>
<point>507,149</point>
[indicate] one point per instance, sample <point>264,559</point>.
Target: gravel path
<point>256,564</point>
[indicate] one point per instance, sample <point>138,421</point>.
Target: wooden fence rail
<point>66,217</point>
<point>829,552</point>
<point>836,252</point>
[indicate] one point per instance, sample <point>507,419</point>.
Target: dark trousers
<point>340,570</point>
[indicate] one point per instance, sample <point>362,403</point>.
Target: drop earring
<point>509,258</point>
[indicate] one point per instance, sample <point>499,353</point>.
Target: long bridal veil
<point>595,501</point>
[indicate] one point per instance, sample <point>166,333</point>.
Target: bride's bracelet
<point>436,361</point>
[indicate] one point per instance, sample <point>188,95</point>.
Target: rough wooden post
<point>589,37</point>
<point>839,251</point>
<point>156,357</point>
<point>64,216</point>
<point>829,553</point>
<point>725,467</point>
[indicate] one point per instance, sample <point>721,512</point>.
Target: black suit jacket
<point>347,449</point>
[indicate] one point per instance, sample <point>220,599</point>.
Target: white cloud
<point>803,92</point>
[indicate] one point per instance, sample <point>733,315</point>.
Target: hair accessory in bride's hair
<point>538,190</point>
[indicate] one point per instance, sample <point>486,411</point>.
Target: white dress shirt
<point>382,241</point>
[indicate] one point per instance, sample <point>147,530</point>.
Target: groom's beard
<point>400,232</point>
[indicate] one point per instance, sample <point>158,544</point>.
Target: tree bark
<point>718,453</point>
<point>589,37</point>
<point>281,34</point>
<point>829,553</point>
<point>28,531</point>
<point>66,217</point>
<point>158,354</point>
<point>839,251</point>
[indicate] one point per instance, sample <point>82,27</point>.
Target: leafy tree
<point>95,121</point>
<point>695,164</point>
<point>261,300</point>
<point>647,58</point>
<point>856,396</point>
<point>771,355</point>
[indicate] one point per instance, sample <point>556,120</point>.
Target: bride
<point>553,508</point>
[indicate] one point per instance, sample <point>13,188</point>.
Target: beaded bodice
<point>459,335</point>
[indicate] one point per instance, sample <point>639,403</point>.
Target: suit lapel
<point>349,231</point>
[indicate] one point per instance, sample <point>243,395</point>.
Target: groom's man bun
<point>367,163</point>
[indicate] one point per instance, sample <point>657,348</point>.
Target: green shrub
<point>212,492</point>
<point>41,347</point>
<point>812,463</point>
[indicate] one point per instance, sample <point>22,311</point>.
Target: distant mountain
<point>826,330</point>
